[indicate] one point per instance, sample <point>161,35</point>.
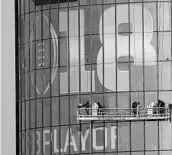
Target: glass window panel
<point>46,141</point>
<point>109,1</point>
<point>18,3</point>
<point>28,143</point>
<point>83,100</point>
<point>55,82</point>
<point>64,134</point>
<point>85,132</point>
<point>86,50</point>
<point>19,29</point>
<point>96,13</point>
<point>22,32</point>
<point>33,114</point>
<point>109,63</point>
<point>164,16</point>
<point>20,98</point>
<point>110,132</point>
<point>62,4</point>
<point>39,115</point>
<point>23,143</point>
<point>47,110</point>
<point>73,3</point>
<point>56,139</point>
<point>99,136</point>
<point>109,23</point>
<point>123,136</point>
<point>39,7</point>
<point>28,115</point>
<point>35,141</point>
<point>123,27</point>
<point>26,57</point>
<point>165,135</point>
<point>165,152</point>
<point>20,116</point>
<point>23,115</point>
<point>22,86</point>
<point>137,153</point>
<point>55,111</point>
<point>63,80</point>
<point>41,81</point>
<point>124,153</point>
<point>63,22</point>
<point>54,52</point>
<point>121,1</point>
<point>164,46</point>
<point>95,48</point>
<point>26,28</point>
<point>85,2</point>
<point>20,144</point>
<point>74,65</point>
<point>82,21</point>
<point>54,19</point>
<point>73,22</point>
<point>97,84</point>
<point>150,19</point>
<point>64,110</point>
<point>32,85</point>
<point>150,97</point>
<point>32,6</point>
<point>63,52</point>
<point>151,136</point>
<point>47,28</point>
<point>96,2</point>
<point>137,136</point>
<point>74,139</point>
<point>27,87</point>
<point>22,4</point>
<point>85,55</point>
<point>43,58</point>
<point>87,19</point>
<point>137,97</point>
<point>98,98</point>
<point>150,78</point>
<point>123,100</point>
<point>165,76</point>
<point>152,153</point>
<point>166,96</point>
<point>38,27</point>
<point>110,100</point>
<point>74,101</point>
<point>33,54</point>
<point>32,33</point>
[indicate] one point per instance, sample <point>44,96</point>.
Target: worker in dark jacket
<point>134,107</point>
<point>100,107</point>
<point>161,106</point>
<point>86,106</point>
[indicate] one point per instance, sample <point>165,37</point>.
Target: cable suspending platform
<point>124,114</point>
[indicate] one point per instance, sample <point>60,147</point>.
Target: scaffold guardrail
<point>123,114</point>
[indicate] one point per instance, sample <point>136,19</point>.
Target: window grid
<point>23,101</point>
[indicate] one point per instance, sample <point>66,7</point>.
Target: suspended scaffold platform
<point>124,114</point>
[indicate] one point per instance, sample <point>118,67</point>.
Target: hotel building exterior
<point>110,51</point>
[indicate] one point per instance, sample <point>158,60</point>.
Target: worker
<point>94,109</point>
<point>100,107</point>
<point>86,106</point>
<point>134,107</point>
<point>161,106</point>
<point>150,109</point>
<point>138,108</point>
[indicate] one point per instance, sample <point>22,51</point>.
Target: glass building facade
<point>112,51</point>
